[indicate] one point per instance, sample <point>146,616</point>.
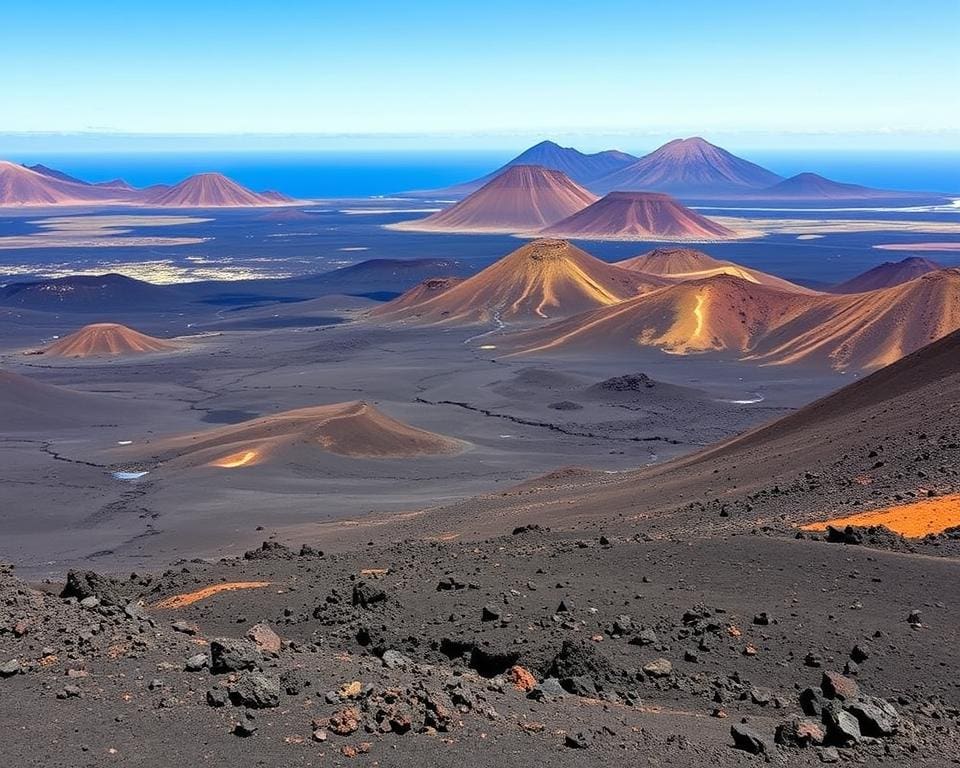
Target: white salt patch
<point>375,211</point>
<point>128,475</point>
<point>755,397</point>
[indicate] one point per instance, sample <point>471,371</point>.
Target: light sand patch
<point>918,247</point>
<point>44,240</point>
<point>157,271</point>
<point>835,226</point>
<point>912,520</point>
<point>101,232</point>
<point>376,211</point>
<point>189,598</point>
<point>94,224</point>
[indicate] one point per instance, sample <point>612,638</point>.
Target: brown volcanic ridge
<point>639,216</point>
<point>888,274</point>
<point>812,186</point>
<point>20,186</point>
<point>545,278</point>
<point>41,187</point>
<point>355,429</point>
<point>29,405</point>
<point>580,167</point>
<point>101,339</point>
<point>521,199</point>
<point>689,167</point>
<point>815,465</point>
<point>212,190</point>
<point>420,293</point>
<point>764,324</point>
<point>681,264</point>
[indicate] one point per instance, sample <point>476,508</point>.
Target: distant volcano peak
<point>522,198</point>
<point>691,166</point>
<point>210,190</point>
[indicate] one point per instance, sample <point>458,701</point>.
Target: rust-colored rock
<point>521,678</point>
<point>265,638</point>
<point>345,722</point>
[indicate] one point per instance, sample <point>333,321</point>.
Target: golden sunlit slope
<point>717,313</point>
<point>765,324</point>
<point>639,216</point>
<point>868,330</point>
<point>354,429</point>
<point>421,292</point>
<point>543,279</point>
<point>682,264</point>
<point>523,198</point>
<point>106,339</point>
<point>211,190</point>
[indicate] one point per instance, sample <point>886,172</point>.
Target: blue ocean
<point>339,174</point>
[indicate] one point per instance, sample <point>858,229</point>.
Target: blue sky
<point>372,73</point>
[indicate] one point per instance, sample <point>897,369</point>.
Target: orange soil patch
<point>180,601</point>
<point>913,520</point>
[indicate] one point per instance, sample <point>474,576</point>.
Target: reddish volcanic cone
<point>210,190</point>
<point>101,339</point>
<point>889,274</point>
<point>545,278</point>
<point>681,264</point>
<point>717,313</point>
<point>689,167</point>
<point>523,198</point>
<point>638,216</point>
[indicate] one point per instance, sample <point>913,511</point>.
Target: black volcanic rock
<point>230,655</point>
<point>85,584</point>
